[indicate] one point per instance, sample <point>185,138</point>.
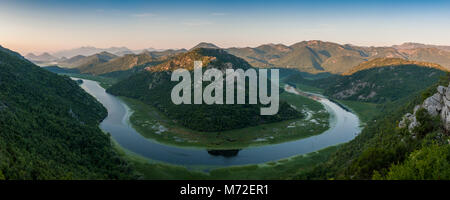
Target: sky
<point>48,25</point>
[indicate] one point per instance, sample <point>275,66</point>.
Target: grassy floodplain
<point>365,111</point>
<point>149,122</point>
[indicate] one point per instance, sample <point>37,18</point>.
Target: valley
<point>315,135</point>
<point>117,125</point>
<point>212,154</point>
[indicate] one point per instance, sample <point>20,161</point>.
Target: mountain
<point>205,45</point>
<point>88,50</point>
<point>412,45</point>
<point>91,62</point>
<point>433,55</point>
<point>261,56</point>
<point>153,87</point>
<point>391,148</point>
<point>49,126</point>
<point>388,81</point>
<point>71,62</point>
<point>308,56</point>
<point>128,61</point>
<point>383,62</point>
<point>318,56</point>
<point>382,84</point>
<point>84,63</point>
<point>44,57</point>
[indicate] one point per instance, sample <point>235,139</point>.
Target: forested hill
<point>49,126</point>
<point>153,86</point>
<point>376,85</point>
<point>387,150</point>
<point>386,62</point>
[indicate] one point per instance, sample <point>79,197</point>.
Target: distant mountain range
<point>308,56</point>
<point>378,81</point>
<point>85,51</point>
<point>411,45</point>
<point>44,57</point>
<point>318,56</point>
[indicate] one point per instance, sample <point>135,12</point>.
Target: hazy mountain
<point>153,86</point>
<point>44,57</point>
<point>411,45</point>
<point>87,51</point>
<point>71,62</point>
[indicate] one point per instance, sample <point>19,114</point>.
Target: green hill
<point>385,151</point>
<point>376,85</point>
<point>49,126</point>
<point>385,62</point>
<point>384,84</point>
<point>153,87</point>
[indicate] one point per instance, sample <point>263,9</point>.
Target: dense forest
<point>154,87</point>
<point>49,127</point>
<point>385,151</point>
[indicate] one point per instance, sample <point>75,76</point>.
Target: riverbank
<point>283,169</point>
<point>366,111</point>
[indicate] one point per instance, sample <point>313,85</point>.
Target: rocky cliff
<point>436,105</point>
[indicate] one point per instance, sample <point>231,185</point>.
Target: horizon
<point>187,48</point>
<point>51,26</point>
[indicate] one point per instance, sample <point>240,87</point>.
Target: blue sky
<point>49,25</point>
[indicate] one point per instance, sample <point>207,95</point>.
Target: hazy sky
<point>50,25</point>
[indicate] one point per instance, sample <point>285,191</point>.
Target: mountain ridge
<point>390,62</point>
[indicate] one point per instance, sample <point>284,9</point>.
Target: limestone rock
<point>433,104</point>
<point>436,105</point>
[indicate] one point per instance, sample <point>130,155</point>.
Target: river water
<point>344,126</point>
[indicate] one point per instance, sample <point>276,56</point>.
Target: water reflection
<point>225,153</point>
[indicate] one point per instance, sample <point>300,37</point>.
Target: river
<point>344,126</point>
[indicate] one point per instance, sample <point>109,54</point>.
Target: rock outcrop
<point>436,105</point>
